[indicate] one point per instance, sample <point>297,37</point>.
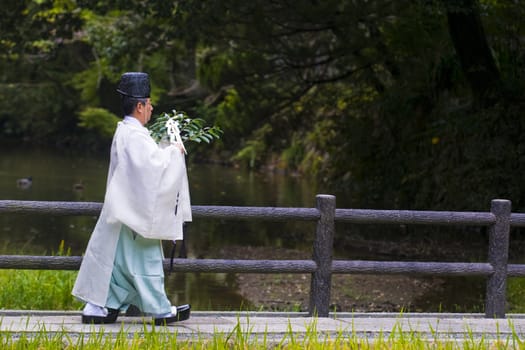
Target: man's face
<point>144,111</point>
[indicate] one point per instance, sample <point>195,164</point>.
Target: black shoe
<point>110,318</point>
<point>183,313</point>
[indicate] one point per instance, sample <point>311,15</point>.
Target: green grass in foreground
<point>158,338</point>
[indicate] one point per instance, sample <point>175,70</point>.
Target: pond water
<point>54,175</point>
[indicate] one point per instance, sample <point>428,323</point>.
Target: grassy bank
<point>38,289</point>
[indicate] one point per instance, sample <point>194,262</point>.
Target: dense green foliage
<point>406,104</point>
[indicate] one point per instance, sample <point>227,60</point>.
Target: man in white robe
<point>147,200</point>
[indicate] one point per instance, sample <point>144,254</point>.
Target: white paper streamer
<point>173,131</point>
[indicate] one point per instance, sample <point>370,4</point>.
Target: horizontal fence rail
<point>412,268</point>
<point>198,211</point>
<point>36,262</point>
<point>499,220</point>
<point>363,216</point>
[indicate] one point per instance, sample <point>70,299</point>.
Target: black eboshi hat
<point>134,84</point>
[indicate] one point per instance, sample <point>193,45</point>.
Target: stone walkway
<point>275,326</point>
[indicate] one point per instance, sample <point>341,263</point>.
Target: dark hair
<point>129,103</point>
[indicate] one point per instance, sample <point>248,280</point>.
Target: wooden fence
<point>321,266</point>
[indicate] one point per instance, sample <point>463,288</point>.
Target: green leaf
<point>191,129</point>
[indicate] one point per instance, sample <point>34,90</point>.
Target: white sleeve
<point>143,191</point>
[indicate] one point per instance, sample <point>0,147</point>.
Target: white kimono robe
<point>147,190</point>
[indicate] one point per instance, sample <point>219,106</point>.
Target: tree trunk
<point>475,56</point>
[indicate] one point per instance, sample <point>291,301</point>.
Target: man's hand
<point>180,146</point>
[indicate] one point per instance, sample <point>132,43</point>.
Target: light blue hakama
<point>138,275</point>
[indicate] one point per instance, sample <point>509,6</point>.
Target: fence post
<point>498,257</point>
<point>321,280</point>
